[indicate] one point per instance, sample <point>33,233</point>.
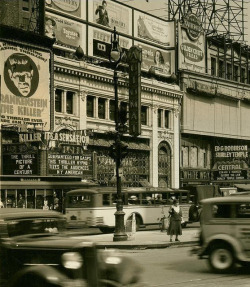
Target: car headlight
<point>72,260</point>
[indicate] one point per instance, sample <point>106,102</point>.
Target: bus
<point>95,207</point>
<point>39,192</point>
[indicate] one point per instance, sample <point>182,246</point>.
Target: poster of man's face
<point>21,75</point>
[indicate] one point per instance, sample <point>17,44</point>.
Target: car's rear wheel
<point>221,258</point>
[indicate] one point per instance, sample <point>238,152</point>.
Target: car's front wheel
<point>221,258</point>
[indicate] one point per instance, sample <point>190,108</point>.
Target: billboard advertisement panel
<point>68,33</point>
<point>25,89</point>
<point>100,43</point>
<point>154,30</point>
<point>110,15</point>
<point>73,7</point>
<point>157,61</point>
<point>191,45</point>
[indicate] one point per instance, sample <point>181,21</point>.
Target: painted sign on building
<point>191,44</point>
<point>25,91</point>
<point>110,14</point>
<point>72,7</point>
<point>154,30</point>
<point>157,61</point>
<point>66,32</point>
<point>100,43</point>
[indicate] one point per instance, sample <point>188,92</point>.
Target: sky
<point>159,8</point>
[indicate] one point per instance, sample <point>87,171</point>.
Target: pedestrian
<point>175,221</point>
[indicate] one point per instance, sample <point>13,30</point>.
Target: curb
<point>146,246</point>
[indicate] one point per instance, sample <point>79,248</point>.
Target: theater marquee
<point>25,87</point>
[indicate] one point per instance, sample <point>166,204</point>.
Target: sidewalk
<point>144,239</point>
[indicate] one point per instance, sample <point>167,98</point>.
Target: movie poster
<point>25,89</point>
<point>68,33</point>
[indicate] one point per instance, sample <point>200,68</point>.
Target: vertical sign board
<point>134,60</point>
<point>25,93</point>
<point>191,44</point>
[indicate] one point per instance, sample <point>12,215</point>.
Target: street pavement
<point>143,239</point>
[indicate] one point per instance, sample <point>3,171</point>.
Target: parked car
<point>36,251</point>
<point>225,231</point>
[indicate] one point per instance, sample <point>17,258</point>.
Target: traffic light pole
<point>119,234</point>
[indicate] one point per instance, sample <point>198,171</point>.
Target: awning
<point>243,186</point>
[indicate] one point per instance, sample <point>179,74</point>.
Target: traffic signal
<point>118,150</point>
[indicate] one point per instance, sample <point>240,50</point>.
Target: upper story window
<point>124,111</point>
<point>213,66</point>
<point>160,118</point>
<point>167,119</point>
<point>221,69</point>
<point>101,108</point>
<point>229,71</point>
<point>69,102</point>
<point>90,106</point>
<point>243,75</point>
<point>112,110</point>
<point>236,73</point>
<point>58,100</point>
<point>144,118</point>
<point>25,5</point>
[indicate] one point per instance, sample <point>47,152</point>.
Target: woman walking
<point>175,221</point>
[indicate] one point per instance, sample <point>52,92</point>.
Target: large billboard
<point>25,89</point>
<point>191,45</point>
<point>100,43</point>
<point>154,30</point>
<point>66,32</point>
<point>73,7</point>
<point>157,61</point>
<point>110,14</point>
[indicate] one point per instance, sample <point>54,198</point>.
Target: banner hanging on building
<point>25,91</point>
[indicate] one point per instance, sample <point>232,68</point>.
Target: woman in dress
<point>175,221</point>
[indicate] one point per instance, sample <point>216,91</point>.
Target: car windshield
<point>35,226</point>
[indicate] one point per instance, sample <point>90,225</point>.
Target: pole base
<point>120,237</point>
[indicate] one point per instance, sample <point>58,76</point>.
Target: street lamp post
<point>115,58</point>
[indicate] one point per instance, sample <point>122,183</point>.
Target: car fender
<point>235,244</point>
<point>46,273</point>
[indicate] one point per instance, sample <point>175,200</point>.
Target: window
<point>229,71</point>
<point>185,156</point>
<point>236,73</point>
<point>222,210</point>
<point>123,112</point>
<point>25,5</point>
<point>101,108</point>
<point>58,100</point>
<point>167,119</point>
<point>90,106</point>
<point>69,102</point>
<point>194,156</point>
<point>243,210</point>
<point>221,69</point>
<point>112,110</point>
<point>159,118</point>
<point>213,66</point>
<point>144,115</point>
<point>25,23</point>
<point>243,75</point>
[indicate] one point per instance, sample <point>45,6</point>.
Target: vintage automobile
<point>225,232</point>
<point>36,251</point>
